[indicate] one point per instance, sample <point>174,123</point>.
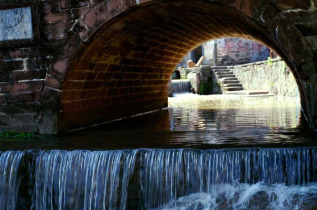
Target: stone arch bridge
<point>66,64</point>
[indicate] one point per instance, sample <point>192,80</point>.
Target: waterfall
<point>82,179</point>
<point>9,178</point>
<point>175,173</point>
<point>153,178</point>
<point>181,86</point>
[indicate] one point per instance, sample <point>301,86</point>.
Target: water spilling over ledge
<point>181,86</point>
<point>158,178</point>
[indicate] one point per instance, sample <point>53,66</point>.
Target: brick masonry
<point>90,60</point>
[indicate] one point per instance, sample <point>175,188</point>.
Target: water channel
<point>203,152</point>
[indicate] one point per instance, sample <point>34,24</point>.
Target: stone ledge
<point>258,63</point>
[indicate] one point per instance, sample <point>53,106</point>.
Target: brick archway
<point>125,66</point>
<point>91,61</point>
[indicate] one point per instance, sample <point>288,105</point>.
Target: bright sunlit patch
<point>190,100</point>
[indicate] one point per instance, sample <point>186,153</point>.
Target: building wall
<point>230,51</point>
<point>233,51</point>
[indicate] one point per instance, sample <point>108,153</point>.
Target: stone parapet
<point>272,75</point>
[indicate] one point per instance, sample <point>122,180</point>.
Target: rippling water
<point>193,121</point>
<point>219,112</point>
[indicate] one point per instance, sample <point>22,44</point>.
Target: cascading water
<point>181,86</point>
<point>9,178</point>
<point>82,179</point>
<point>172,174</point>
<point>160,178</point>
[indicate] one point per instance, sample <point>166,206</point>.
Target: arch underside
<point>125,67</point>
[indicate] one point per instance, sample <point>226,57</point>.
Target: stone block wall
<point>202,79</point>
<point>274,76</point>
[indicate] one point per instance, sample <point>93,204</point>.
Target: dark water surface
<point>192,121</point>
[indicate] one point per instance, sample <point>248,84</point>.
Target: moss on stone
<point>14,134</point>
<point>205,88</point>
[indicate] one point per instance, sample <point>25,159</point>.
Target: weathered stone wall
<point>274,76</point>
<point>203,80</point>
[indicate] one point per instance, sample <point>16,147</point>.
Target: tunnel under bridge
<point>79,63</point>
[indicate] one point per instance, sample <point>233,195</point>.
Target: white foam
<point>240,196</point>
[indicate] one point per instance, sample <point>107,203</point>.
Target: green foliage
<point>269,61</point>
<point>14,134</point>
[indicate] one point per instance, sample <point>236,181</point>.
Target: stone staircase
<point>227,79</point>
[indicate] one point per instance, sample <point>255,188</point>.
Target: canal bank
<point>272,76</point>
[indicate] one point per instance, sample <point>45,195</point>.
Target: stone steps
<point>249,93</point>
<point>224,72</point>
<point>232,85</point>
<point>217,71</point>
<point>225,89</point>
<point>220,76</point>
<point>220,67</point>
<point>228,80</point>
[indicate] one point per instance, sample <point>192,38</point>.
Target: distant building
<point>229,51</point>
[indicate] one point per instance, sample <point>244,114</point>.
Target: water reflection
<point>218,112</point>
<point>191,121</point>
